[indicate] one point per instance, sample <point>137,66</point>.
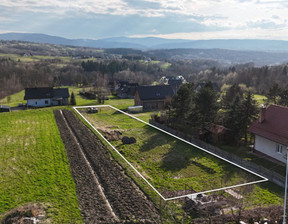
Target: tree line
<point>192,111</point>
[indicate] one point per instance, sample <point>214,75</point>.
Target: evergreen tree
<point>233,117</point>
<point>274,92</point>
<point>248,113</point>
<point>283,97</point>
<point>182,101</point>
<point>206,105</point>
<point>72,99</point>
<point>231,94</point>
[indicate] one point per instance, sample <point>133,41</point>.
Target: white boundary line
<point>264,179</point>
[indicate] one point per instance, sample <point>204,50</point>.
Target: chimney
<point>262,113</point>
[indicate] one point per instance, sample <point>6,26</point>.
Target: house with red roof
<point>271,132</point>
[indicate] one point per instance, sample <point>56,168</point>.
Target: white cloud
<point>234,16</point>
<point>110,7</point>
<point>231,9</point>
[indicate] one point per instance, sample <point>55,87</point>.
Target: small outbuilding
<point>216,133</point>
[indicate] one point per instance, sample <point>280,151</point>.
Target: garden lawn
<point>14,99</point>
<point>260,99</point>
<point>169,164</point>
<point>34,166</point>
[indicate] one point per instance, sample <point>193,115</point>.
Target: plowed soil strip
<point>128,202</point>
<point>92,201</point>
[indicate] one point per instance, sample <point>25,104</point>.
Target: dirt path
<point>105,193</point>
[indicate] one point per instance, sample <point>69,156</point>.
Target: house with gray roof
<point>153,97</point>
<point>46,96</point>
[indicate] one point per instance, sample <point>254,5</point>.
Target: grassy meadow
<point>14,99</point>
<point>34,58</point>
<point>34,166</point>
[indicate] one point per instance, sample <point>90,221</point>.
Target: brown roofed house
<point>153,97</point>
<point>271,132</point>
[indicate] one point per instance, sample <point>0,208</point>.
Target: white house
<point>46,96</point>
<point>271,132</point>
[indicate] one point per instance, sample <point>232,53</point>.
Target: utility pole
<point>285,194</point>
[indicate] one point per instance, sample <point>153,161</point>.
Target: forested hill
<point>154,43</point>
<point>221,56</point>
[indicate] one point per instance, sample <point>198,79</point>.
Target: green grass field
<point>14,99</point>
<point>34,166</point>
<point>34,58</point>
<point>260,99</point>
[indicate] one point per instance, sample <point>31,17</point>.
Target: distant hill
<point>43,38</point>
<point>154,43</point>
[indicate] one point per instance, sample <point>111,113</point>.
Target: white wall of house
<point>270,148</point>
<point>39,102</point>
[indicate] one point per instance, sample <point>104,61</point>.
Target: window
<point>279,148</point>
<point>46,101</point>
<point>36,102</point>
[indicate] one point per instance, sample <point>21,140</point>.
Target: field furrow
<point>127,201</point>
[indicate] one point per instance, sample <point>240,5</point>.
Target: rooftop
<point>45,92</point>
<point>274,126</point>
<point>155,92</point>
<point>38,93</point>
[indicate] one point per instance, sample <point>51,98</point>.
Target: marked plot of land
<point>170,165</point>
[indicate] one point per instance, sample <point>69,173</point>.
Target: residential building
<point>153,97</point>
<point>46,96</point>
<point>125,90</point>
<point>271,132</point>
<point>174,82</point>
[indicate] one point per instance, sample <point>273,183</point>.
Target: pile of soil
<point>26,214</point>
<point>111,135</point>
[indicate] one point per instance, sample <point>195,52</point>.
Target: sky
<point>181,19</point>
